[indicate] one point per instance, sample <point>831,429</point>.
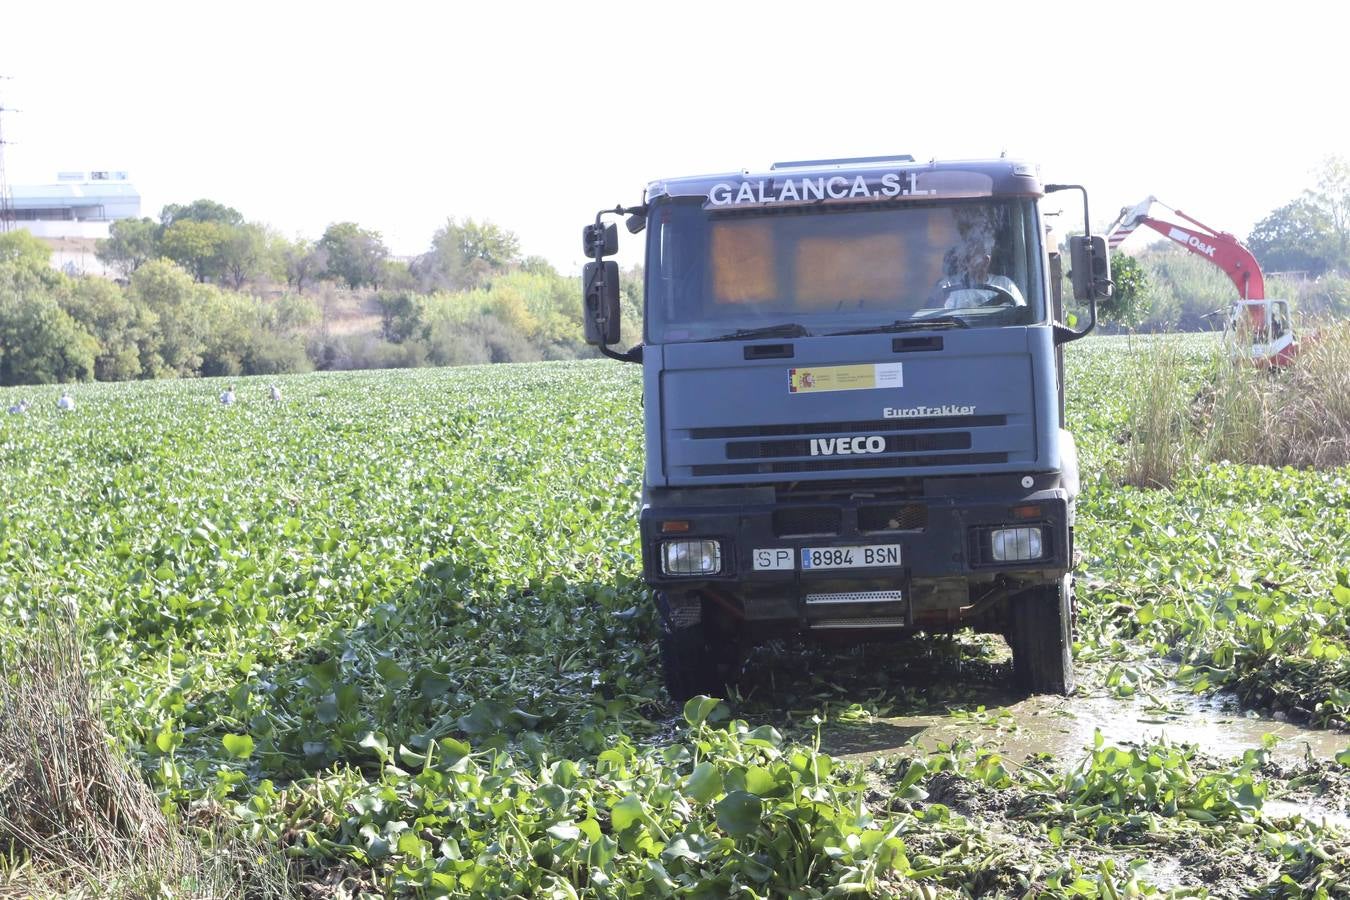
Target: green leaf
<point>698,709</point>
<point>761,782</point>
<point>564,832</point>
<point>553,795</point>
<point>704,783</point>
<point>373,740</point>
<point>240,746</point>
<point>392,673</point>
<point>327,710</point>
<point>627,811</point>
<point>410,844</point>
<point>738,813</point>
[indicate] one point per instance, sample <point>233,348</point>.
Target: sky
<point>399,115</point>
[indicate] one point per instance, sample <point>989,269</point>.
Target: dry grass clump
<point>75,818</point>
<point>1310,420</point>
<point>1299,416</point>
<point>66,794</point>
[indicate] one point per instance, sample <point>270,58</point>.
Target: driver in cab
<point>972,285</point>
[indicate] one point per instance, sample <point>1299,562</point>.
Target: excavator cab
<point>1261,332</point>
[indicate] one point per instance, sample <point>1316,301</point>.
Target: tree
<point>537,265</point>
<point>302,263</point>
<point>197,246</point>
<point>125,330</point>
<point>396,275</point>
<point>292,314</point>
<point>130,244</point>
<point>1297,236</point>
<point>20,246</point>
<point>227,323</point>
<point>1332,197</point>
<point>1128,303</point>
<point>168,292</point>
<point>495,246</point>
<point>200,211</point>
<point>355,255</point>
<point>39,342</point>
<point>463,255</point>
<point>243,254</point>
<point>402,315</point>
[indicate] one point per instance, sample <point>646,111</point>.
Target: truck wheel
<point>695,659</point>
<point>1041,638</point>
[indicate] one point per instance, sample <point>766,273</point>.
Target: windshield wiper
<point>910,325</point>
<point>786,329</point>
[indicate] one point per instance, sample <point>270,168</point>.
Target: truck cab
<point>853,396</point>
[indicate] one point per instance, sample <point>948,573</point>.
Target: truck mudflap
<point>912,562</point>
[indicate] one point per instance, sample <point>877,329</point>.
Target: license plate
<point>877,555</point>
<point>773,559</point>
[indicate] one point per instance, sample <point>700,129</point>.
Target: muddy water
<point>1064,727</point>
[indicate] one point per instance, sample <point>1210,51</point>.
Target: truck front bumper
<point>917,557</point>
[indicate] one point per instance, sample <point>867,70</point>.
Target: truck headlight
<point>691,557</point>
<point>1015,544</point>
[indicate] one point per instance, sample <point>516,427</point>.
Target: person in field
<point>275,392</point>
<point>227,396</point>
<point>19,408</point>
<point>66,403</point>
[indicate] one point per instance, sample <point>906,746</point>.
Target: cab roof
<point>978,177</point>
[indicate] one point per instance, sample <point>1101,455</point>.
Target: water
<point>1064,727</point>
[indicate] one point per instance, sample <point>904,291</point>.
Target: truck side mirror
<point>1091,268</point>
<point>600,301</point>
<point>599,241</point>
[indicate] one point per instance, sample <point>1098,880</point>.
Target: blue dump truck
<point>853,391</point>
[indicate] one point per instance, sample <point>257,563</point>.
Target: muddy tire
<point>1041,637</point>
<point>695,659</point>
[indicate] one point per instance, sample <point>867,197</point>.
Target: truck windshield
<point>712,273</point>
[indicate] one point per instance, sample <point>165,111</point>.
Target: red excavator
<point>1260,330</point>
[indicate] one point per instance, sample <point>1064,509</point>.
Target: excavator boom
<point>1219,247</point>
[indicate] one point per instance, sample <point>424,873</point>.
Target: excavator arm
<point>1219,247</point>
<point>1265,321</point>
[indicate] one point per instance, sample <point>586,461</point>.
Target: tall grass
<point>1162,441</point>
<point>1309,420</point>
<point>1187,408</point>
<point>75,818</point>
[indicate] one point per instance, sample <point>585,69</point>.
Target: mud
<point>1064,727</point>
<point>867,707</point>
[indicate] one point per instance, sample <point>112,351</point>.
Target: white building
<point>73,213</point>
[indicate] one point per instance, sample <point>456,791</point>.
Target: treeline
<point>1166,288</point>
<point>215,244</point>
<point>203,292</point>
<point>1309,235</point>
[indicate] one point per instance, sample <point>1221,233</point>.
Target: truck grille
<point>893,517</point>
<point>895,443</point>
<point>849,462</point>
<point>815,428</point>
<point>804,520</point>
